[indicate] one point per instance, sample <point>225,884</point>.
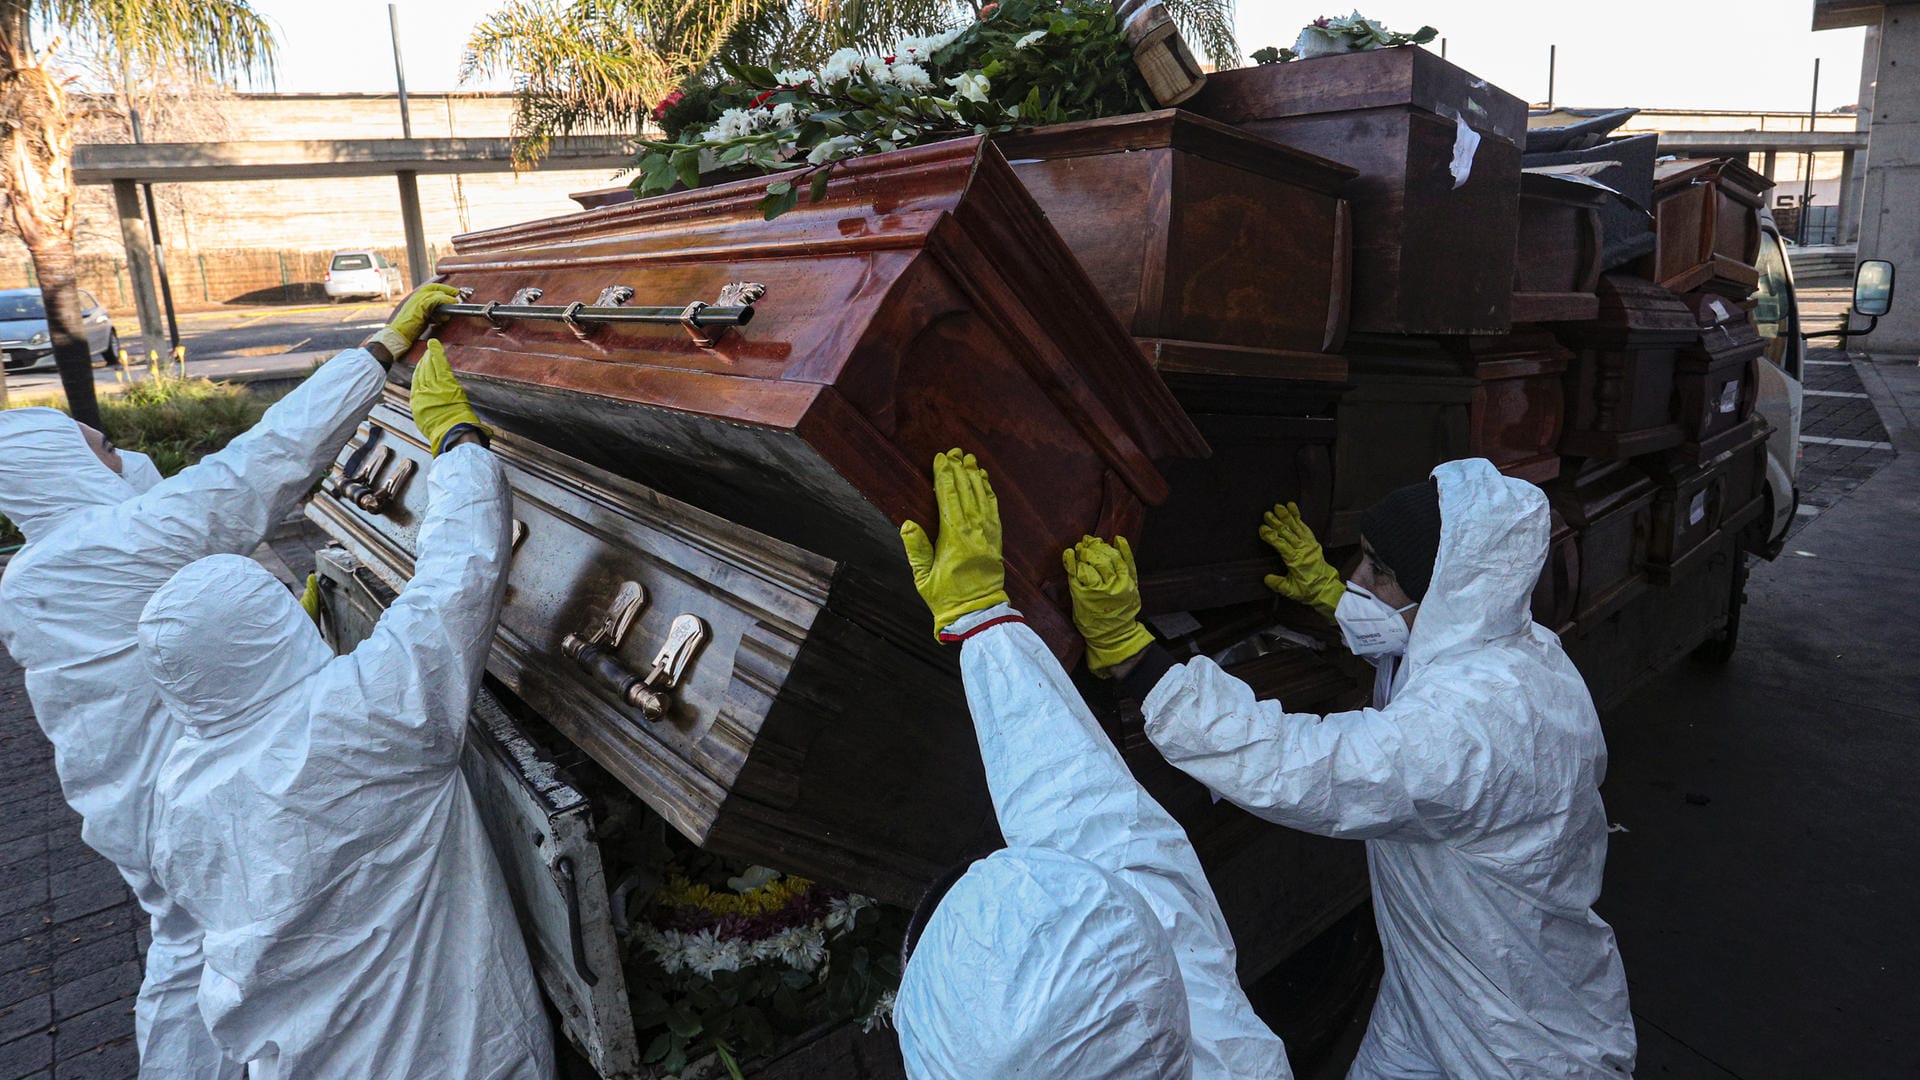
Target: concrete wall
<point>1890,209</point>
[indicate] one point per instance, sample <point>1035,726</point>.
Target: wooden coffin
<point>1707,217</point>
<point>812,730</point>
<point>1519,402</point>
<point>1609,505</point>
<point>1557,260</point>
<point>1272,442</point>
<point>1620,382</point>
<point>1747,491</point>
<point>1695,505</point>
<point>1400,116</point>
<point>1406,412</point>
<point>1716,379</point>
<point>1626,166</point>
<point>924,303</point>
<point>1556,594</point>
<point>1197,232</point>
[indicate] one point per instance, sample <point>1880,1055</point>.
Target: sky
<point>1647,53</point>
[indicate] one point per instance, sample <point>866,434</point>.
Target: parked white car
<point>362,273</point>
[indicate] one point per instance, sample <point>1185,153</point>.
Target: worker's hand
<point>439,405</point>
<point>310,599</point>
<point>961,572</point>
<point>1309,579</point>
<point>1106,600</point>
<point>411,320</point>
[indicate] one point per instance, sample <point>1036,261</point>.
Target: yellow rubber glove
<point>962,572</point>
<point>310,599</point>
<point>411,320</point>
<point>1106,600</point>
<point>439,405</point>
<point>1310,579</point>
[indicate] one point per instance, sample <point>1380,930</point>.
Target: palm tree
<point>217,38</point>
<point>598,66</point>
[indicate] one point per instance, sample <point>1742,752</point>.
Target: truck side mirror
<point>1873,288</point>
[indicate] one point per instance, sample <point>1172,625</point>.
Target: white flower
<point>877,69</point>
<point>802,948</point>
<point>832,149</point>
<point>794,77</point>
<point>971,85</point>
<point>840,66</point>
<point>753,876</point>
<point>944,38</point>
<point>1028,39</point>
<point>842,910</point>
<point>882,1014</point>
<point>667,945</point>
<point>707,953</point>
<point>731,125</point>
<point>911,76</point>
<point>784,116</point>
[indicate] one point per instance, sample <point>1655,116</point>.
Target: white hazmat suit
<point>1092,946</point>
<point>314,818</point>
<point>1477,791</point>
<point>97,549</point>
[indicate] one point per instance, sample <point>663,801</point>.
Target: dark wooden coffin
<point>1557,261</point>
<point>1620,382</point>
<point>1696,504</point>
<point>1272,442</point>
<point>1432,254</point>
<point>1716,378</point>
<point>1626,166</point>
<point>1556,595</point>
<point>925,303</point>
<point>1407,411</point>
<point>1195,231</point>
<point>1707,214</point>
<point>1610,506</point>
<point>816,729</point>
<point>1519,402</point>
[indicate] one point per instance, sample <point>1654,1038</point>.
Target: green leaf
<point>818,186</point>
<point>682,1022</point>
<point>686,166</point>
<point>779,187</point>
<point>658,1048</point>
<point>774,205</point>
<point>726,1058</point>
<point>675,1061</point>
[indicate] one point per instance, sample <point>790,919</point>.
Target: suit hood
<point>1493,542</point>
<point>47,471</point>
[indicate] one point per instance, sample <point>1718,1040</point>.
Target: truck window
<point>351,262</point>
<point>1775,313</point>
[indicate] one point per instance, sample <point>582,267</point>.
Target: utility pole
<point>1806,187</point>
<point>410,217</point>
<point>1553,60</point>
<point>153,227</point>
<point>1443,48</point>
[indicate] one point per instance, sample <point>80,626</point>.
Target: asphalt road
<point>242,343</point>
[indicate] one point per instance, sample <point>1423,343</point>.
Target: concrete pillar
<point>1889,227</point>
<point>1769,160</point>
<point>133,233</point>
<point>1852,188</point>
<point>1849,205</point>
<point>419,268</point>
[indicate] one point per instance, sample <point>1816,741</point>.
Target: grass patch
<point>175,421</point>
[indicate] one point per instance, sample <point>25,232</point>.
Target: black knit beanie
<point>1404,530</point>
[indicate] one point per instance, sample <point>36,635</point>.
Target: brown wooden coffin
<point>1716,378</point>
<point>1431,256</point>
<point>1620,382</point>
<point>1707,217</point>
<point>1272,442</point>
<point>923,304</point>
<point>1695,505</point>
<point>1557,261</point>
<point>1519,403</point>
<point>1747,491</point>
<point>1557,593</point>
<point>1406,412</point>
<point>1195,231</point>
<point>1609,504</point>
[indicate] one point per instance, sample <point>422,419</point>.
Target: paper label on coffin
<point>891,327</point>
<point>1730,396</point>
<point>807,732</point>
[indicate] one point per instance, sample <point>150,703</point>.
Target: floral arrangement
<point>1331,36</point>
<point>741,968</point>
<point>1023,62</point>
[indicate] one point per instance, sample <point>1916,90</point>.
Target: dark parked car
<point>23,329</point>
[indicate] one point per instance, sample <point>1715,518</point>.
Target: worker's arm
<point>421,666</point>
<point>1414,768</point>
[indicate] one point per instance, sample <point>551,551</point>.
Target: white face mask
<point>1369,625</point>
<point>137,469</point>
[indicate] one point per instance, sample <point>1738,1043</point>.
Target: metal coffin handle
<point>596,653</point>
<point>576,936</point>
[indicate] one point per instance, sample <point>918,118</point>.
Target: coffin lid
<point>1636,311</point>
<point>1600,490</point>
<point>1184,131</point>
<point>1405,76</point>
<point>1733,176</point>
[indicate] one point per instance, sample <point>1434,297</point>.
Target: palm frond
<point>221,39</point>
<point>1208,27</point>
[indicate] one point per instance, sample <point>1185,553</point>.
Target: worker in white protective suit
<point>1091,946</point>
<point>1476,786</point>
<point>314,818</point>
<point>103,532</point>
